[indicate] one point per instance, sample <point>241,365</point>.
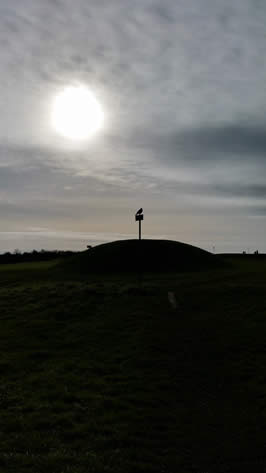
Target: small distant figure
<point>89,247</point>
<point>256,252</point>
<point>244,253</point>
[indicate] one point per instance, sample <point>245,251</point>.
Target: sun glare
<point>76,113</point>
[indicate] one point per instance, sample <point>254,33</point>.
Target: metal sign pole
<point>139,217</point>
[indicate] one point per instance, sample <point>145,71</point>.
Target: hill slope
<point>147,255</point>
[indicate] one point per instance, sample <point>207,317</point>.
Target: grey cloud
<point>249,190</point>
<point>232,190</point>
<point>183,86</point>
<point>149,60</point>
<point>210,144</point>
<point>232,139</point>
<point>41,174</point>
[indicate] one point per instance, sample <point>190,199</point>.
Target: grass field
<point>98,376</point>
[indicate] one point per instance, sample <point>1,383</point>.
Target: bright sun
<point>76,114</point>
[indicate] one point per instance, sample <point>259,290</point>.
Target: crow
<point>139,212</point>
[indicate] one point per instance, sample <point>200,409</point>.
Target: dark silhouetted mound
<point>147,255</point>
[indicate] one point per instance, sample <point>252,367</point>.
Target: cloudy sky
<point>182,84</point>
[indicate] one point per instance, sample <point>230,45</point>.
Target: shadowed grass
<point>142,255</point>
<point>99,375</point>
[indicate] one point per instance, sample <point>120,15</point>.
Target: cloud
<point>154,66</point>
<point>183,88</point>
<point>219,142</point>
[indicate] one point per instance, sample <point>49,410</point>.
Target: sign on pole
<point>139,217</point>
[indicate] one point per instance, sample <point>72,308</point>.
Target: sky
<point>182,84</point>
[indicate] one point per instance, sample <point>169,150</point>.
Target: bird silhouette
<point>139,211</point>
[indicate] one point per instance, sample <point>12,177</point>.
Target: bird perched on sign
<point>139,211</point>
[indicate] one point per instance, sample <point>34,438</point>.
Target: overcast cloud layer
<point>182,84</point>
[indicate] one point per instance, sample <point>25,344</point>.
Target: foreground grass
<point>97,376</point>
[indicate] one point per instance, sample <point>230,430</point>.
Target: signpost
<point>139,217</point>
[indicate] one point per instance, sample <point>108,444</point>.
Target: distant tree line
<point>43,255</point>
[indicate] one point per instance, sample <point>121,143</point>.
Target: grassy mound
<point>145,255</point>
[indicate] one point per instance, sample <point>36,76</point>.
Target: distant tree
<point>17,252</point>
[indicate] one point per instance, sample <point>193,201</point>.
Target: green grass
<point>98,376</point>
